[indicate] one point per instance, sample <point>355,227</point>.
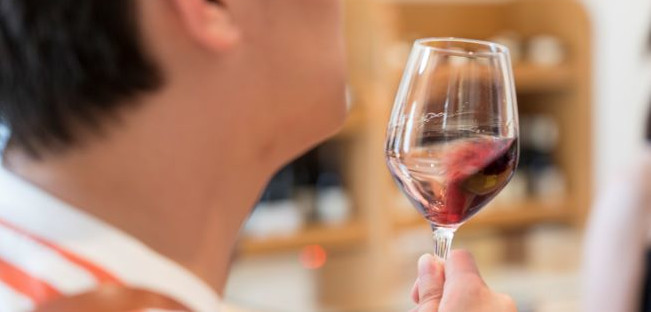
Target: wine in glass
<point>452,141</point>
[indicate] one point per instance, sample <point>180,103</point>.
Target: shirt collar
<point>43,215</point>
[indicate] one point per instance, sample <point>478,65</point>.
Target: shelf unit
<point>562,91</point>
<point>372,27</point>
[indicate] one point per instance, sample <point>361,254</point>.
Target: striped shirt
<point>50,250</point>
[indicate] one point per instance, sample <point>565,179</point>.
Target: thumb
<point>430,283</point>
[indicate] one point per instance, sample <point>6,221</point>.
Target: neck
<point>184,203</point>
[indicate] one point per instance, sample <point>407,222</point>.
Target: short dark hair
<point>68,64</point>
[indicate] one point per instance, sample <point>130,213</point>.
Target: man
<point>143,131</point>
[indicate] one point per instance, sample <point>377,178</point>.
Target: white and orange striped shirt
<point>49,250</point>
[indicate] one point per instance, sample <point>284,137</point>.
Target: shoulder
<point>114,298</point>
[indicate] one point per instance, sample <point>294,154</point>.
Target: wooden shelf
<point>534,78</point>
<point>518,215</point>
<point>328,236</point>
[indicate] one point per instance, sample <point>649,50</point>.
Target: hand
<point>455,287</point>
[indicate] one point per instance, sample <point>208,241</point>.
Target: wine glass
<point>452,140</point>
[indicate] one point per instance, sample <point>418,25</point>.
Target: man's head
<point>75,72</point>
<point>67,63</point>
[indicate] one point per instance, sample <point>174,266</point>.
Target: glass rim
<point>496,49</point>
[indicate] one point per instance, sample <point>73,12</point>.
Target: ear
<point>208,22</point>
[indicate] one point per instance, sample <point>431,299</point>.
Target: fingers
<point>507,303</point>
<point>429,284</point>
<point>461,263</point>
<point>465,290</point>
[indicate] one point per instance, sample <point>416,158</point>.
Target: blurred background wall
<point>622,81</point>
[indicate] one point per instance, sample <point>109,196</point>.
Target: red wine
<point>450,179</point>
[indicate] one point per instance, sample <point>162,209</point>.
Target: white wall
<point>622,83</point>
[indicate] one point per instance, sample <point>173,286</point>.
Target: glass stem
<point>442,241</point>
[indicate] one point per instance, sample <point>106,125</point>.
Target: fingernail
<point>427,265</point>
<point>414,291</point>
